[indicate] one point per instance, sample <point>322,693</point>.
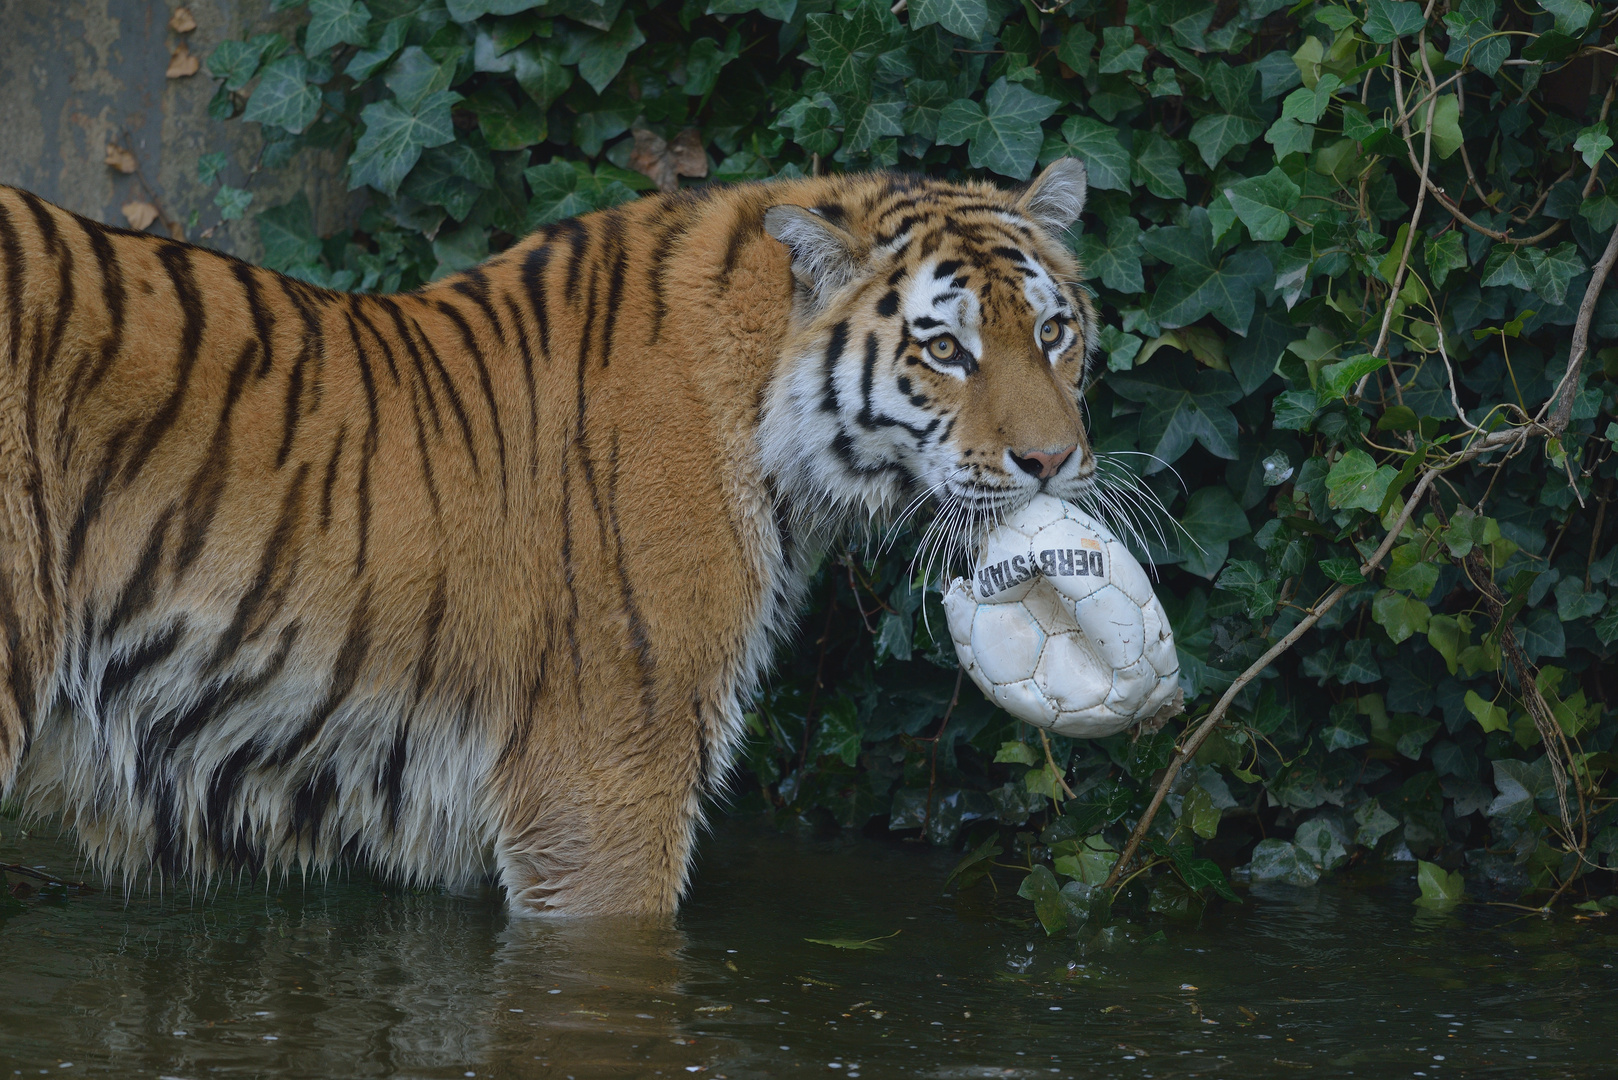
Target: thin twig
<point>1217,713</point>
<point>40,875</point>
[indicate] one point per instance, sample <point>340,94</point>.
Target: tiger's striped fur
<point>477,579</point>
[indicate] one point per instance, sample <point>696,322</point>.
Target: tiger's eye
<point>943,348</point>
<point>1050,331</point>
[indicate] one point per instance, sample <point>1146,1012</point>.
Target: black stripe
<point>437,604</point>
<point>219,699</point>
<point>11,249</point>
<point>362,491</point>
<point>90,506</point>
<point>474,285</point>
<point>208,485</point>
<point>44,355</point>
<point>122,672</point>
<point>345,673</point>
<point>393,775</point>
<point>277,548</point>
<point>387,349</point>
<point>229,846</point>
<point>263,320</point>
<point>112,294</point>
<point>484,381</point>
<point>310,804</point>
<point>746,226</point>
<point>615,281</point>
<point>888,306</point>
<point>534,266</point>
<point>640,640</point>
<point>455,403</point>
<point>20,676</point>
<point>176,260</point>
<point>331,477</point>
<point>834,353</point>
<point>527,353</point>
<point>141,588</point>
<point>578,240</point>
<point>422,451</point>
<point>662,247</point>
<point>392,308</point>
<point>312,345</point>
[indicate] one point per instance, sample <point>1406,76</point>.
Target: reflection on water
<point>349,979</point>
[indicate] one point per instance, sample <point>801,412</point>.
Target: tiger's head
<point>940,347</point>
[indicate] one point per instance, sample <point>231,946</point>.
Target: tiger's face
<point>941,348</point>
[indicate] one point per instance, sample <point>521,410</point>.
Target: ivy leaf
<point>1572,16</point>
<point>1444,254</point>
<point>1117,261</point>
<point>1215,136</point>
<point>927,98</point>
<point>1119,52</point>
<point>1357,482</point>
<point>1096,144</point>
<point>967,18</point>
<point>464,11</point>
<point>394,138</point>
<point>1386,20</point>
<point>506,125</point>
<point>1077,49</point>
<point>1336,380</point>
<point>1181,404</point>
<point>1556,270</point>
<point>1254,584</point>
<point>287,233</point>
<point>209,166</point>
<point>1511,265</point>
<point>415,75</point>
<point>779,10</point>
<point>1400,615</point>
<point>564,189</point>
<point>1157,165</point>
<point>1342,571</point>
<point>232,202</point>
<point>1041,887</point>
<point>1201,282</point>
<point>1307,105</point>
<point>1212,518</point>
<point>705,60</point>
<point>1446,124</point>
<point>1592,143</point>
<point>236,62</point>
<point>604,54</point>
<point>813,121</point>
<point>1004,131</point>
<point>1439,888</point>
<point>363,64</point>
<point>285,98</point>
<point>846,48</point>
<point>541,73</point>
<point>870,121</point>
<point>1262,203</point>
<point>336,22</point>
<point>1288,136</point>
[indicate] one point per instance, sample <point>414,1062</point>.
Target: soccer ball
<point>1059,625</point>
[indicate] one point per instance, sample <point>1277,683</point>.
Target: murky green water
<point>347,980</point>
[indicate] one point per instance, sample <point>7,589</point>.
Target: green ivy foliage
<point>1292,344</point>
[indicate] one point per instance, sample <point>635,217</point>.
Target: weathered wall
<point>78,74</point>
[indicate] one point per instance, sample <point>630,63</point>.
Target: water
<point>350,979</point>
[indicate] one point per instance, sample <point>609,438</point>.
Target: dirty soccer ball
<point>1059,626</point>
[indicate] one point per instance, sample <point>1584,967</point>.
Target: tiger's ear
<point>824,257</point>
<point>1055,199</point>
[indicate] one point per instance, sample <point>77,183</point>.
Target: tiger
<point>471,585</point>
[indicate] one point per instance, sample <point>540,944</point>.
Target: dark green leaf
<point>284,96</point>
<point>336,22</point>
<point>1180,405</point>
<point>1201,282</point>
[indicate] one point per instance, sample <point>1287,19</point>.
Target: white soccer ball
<point>1059,625</point>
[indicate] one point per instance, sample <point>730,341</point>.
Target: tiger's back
<point>467,580</point>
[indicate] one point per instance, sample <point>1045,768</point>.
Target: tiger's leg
<point>611,835</point>
<point>28,598</point>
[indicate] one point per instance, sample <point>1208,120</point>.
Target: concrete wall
<point>78,74</point>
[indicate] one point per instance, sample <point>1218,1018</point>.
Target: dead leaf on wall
<point>664,162</point>
<point>182,22</point>
<point>182,63</point>
<point>140,215</point>
<point>120,159</point>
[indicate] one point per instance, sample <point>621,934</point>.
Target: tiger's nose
<point>1038,463</point>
